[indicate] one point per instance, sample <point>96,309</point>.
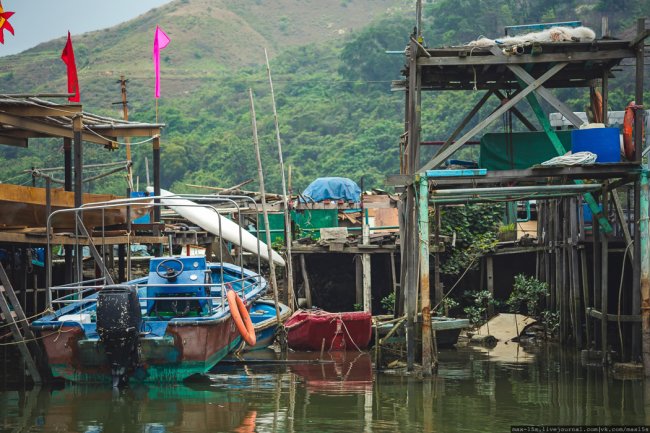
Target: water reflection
<point>472,393</point>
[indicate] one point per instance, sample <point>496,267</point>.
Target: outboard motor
<point>118,325</point>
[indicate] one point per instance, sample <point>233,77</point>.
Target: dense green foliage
<point>474,228</point>
<point>527,295</point>
<point>337,114</point>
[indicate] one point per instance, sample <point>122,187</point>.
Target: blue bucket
<point>604,142</point>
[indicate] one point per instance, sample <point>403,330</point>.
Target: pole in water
<point>285,201</point>
<point>265,212</point>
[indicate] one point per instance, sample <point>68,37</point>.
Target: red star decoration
<point>4,24</point>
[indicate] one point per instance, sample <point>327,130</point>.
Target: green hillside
<point>337,113</point>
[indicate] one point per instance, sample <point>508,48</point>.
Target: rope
<point>620,289</point>
<point>578,158</point>
<point>119,142</point>
<point>59,332</point>
<point>27,319</point>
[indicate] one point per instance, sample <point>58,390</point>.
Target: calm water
<point>473,392</point>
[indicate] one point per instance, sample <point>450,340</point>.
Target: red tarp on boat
<point>306,330</point>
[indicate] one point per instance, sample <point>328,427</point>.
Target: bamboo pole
<point>260,172</point>
<point>285,201</point>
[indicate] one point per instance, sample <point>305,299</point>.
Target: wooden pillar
<point>489,272</point>
<point>423,229</point>
<point>410,241</point>
<point>575,274</point>
<point>358,279</point>
<point>67,173</point>
<point>77,126</point>
<point>305,279</point>
<point>604,286</point>
<point>121,254</point>
<point>365,261</point>
<point>439,293</point>
<point>645,273</point>
<point>638,299</point>
<point>156,177</point>
<point>566,287</point>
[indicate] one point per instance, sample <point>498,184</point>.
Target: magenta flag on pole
<point>160,41</point>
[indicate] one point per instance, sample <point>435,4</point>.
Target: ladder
<point>15,318</point>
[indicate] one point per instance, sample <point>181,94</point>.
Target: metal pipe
<point>516,189</point>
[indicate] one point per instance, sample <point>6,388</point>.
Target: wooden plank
<point>29,110</point>
<point>569,57</point>
<point>440,157</point>
<point>51,130</point>
<point>547,95</point>
<point>13,141</point>
<point>592,312</point>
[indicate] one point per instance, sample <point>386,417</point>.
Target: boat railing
<point>82,232</point>
<point>80,290</point>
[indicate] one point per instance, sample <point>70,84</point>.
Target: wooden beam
<point>49,129</point>
<point>516,112</point>
<point>641,36</point>
<point>13,141</point>
<point>465,121</point>
<point>135,131</point>
<point>570,57</point>
<point>21,133</point>
<point>40,111</point>
<point>547,95</point>
<point>442,156</point>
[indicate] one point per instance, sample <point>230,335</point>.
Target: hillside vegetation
<point>332,77</point>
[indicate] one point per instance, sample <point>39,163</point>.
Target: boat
<point>265,322</point>
<point>321,330</point>
<point>447,330</point>
<point>165,327</point>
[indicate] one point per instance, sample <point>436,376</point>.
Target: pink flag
<point>160,41</point>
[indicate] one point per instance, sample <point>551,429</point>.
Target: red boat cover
<point>316,329</point>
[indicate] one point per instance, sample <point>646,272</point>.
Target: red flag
<point>4,24</point>
<point>73,82</point>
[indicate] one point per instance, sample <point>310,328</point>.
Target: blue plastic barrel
<point>604,142</point>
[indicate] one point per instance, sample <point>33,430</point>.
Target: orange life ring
<point>241,317</point>
<point>628,131</point>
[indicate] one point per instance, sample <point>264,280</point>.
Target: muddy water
<point>474,392</point>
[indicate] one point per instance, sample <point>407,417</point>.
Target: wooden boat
<point>317,329</point>
<point>265,321</point>
<point>447,330</point>
<point>162,328</point>
<point>25,206</point>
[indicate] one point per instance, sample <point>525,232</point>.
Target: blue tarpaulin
<point>333,188</point>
